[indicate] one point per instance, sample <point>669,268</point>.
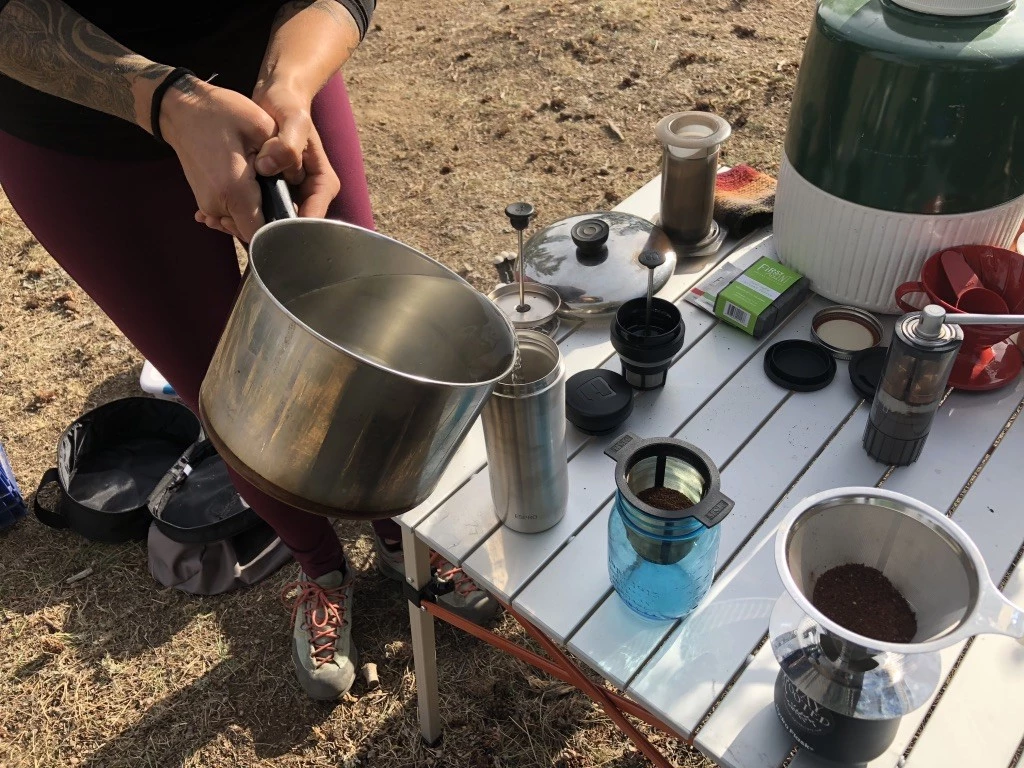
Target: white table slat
<point>729,728</point>
<point>464,464</point>
<point>980,717</point>
<point>704,652</point>
<point>982,711</point>
<point>645,202</point>
<point>964,429</point>
<point>561,595</point>
<point>507,559</point>
<point>744,731</point>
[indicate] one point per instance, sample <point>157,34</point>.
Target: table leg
<point>417,573</point>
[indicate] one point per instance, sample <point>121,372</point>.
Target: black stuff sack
<point>109,461</point>
<point>205,540</point>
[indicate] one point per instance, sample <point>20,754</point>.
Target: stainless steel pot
<point>351,367</point>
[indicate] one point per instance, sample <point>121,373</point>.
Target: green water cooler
<point>906,136</point>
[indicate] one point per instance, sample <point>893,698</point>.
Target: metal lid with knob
<point>593,261</point>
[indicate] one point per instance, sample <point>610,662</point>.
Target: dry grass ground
<point>464,106</point>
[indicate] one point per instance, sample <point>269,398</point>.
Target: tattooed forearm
<point>330,8</point>
<point>48,46</point>
<point>304,50</point>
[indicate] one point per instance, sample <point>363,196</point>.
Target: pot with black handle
<point>351,368</point>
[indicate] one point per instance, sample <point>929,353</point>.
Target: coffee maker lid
<point>593,261</point>
<point>955,7</point>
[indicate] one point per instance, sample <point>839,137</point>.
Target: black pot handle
<point>276,198</point>
<point>51,517</point>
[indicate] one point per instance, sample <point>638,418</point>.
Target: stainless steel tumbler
<point>524,430</point>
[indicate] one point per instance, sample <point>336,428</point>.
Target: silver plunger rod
<point>522,274</point>
<point>519,215</point>
<point>652,260</point>
<point>650,299</point>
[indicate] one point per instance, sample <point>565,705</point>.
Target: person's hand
<point>296,150</point>
<point>217,134</point>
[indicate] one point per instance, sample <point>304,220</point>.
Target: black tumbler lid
<point>598,401</point>
<point>866,370</point>
<point>800,366</point>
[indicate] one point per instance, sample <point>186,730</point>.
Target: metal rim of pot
<point>980,616</point>
<point>253,270</point>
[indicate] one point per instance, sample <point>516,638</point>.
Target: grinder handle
<point>276,201</point>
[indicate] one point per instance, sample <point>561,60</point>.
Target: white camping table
<point>710,677</point>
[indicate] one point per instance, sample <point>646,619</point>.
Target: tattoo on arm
<point>330,8</point>
<point>48,46</point>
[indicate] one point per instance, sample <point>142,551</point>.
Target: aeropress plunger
<point>647,333</point>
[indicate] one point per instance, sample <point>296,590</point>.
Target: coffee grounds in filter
<point>668,499</point>
<point>863,600</point>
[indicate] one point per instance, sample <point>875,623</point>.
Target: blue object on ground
<point>12,505</point>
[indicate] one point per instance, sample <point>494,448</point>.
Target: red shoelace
<point>324,613</point>
<point>464,585</point>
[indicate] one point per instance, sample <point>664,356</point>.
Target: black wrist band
<point>158,96</point>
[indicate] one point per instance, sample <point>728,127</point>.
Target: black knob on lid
<point>520,214</point>
<point>590,236</point>
<point>652,259</point>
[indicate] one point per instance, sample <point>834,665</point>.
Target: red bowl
<point>999,269</point>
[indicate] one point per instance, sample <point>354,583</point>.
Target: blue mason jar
<point>661,561</point>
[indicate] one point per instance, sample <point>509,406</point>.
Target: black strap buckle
<point>433,589</point>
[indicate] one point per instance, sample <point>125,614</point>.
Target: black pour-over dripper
<point>647,333</point>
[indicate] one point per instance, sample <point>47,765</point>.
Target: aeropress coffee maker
<point>840,692</point>
<point>689,168</point>
<point>647,333</point>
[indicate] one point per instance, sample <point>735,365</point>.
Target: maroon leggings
<point>124,232</point>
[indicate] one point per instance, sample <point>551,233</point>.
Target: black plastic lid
<point>800,366</point>
<point>598,401</point>
<point>866,370</point>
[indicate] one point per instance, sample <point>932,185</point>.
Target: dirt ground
<point>463,106</point>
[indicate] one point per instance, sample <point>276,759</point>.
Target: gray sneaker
<point>467,599</point>
<point>325,658</point>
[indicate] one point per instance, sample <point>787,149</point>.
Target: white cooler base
<point>857,255</point>
<point>152,382</point>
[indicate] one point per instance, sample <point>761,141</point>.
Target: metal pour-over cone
<point>930,561</point>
